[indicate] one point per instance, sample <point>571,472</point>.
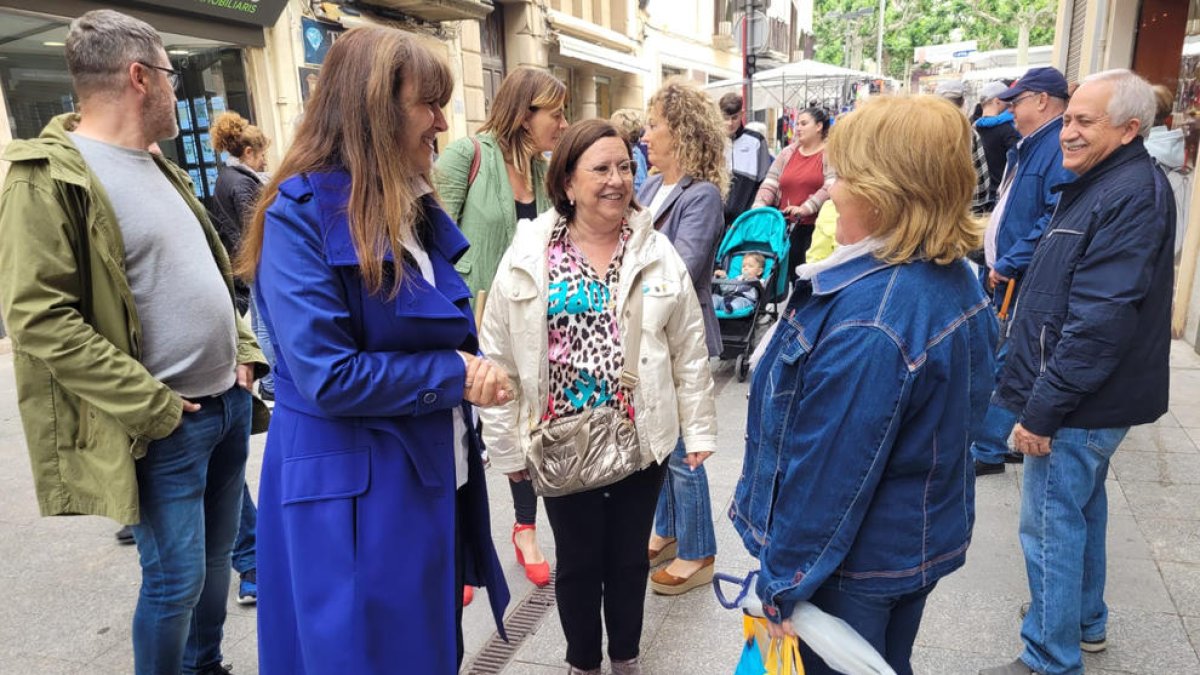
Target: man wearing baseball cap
<point>1025,203</point>
<point>997,132</point>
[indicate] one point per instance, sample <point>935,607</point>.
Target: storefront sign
<point>257,12</point>
<point>318,37</point>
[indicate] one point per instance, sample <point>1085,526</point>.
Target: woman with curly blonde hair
<point>686,139</point>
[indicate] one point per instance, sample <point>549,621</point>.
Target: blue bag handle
<point>745,584</point>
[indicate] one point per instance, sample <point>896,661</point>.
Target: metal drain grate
<point>519,624</point>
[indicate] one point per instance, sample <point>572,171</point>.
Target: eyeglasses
<point>173,75</point>
<point>1018,99</point>
<point>602,172</point>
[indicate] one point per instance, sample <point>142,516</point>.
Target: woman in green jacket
<point>508,185</point>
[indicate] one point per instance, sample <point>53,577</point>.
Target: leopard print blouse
<point>584,338</point>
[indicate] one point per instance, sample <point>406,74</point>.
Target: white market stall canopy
<point>795,84</point>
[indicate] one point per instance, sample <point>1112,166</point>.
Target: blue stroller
<point>763,231</point>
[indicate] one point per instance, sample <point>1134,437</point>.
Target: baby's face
<point>752,269</point>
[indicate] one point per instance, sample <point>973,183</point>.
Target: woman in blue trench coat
<point>373,508</point>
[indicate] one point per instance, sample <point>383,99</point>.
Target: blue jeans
<point>684,509</point>
<point>244,549</point>
<point>267,384</point>
<point>991,443</point>
<point>1064,519</point>
<point>888,622</point>
<point>189,491</point>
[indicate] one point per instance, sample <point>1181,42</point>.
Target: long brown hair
<point>525,91</point>
<point>354,122</point>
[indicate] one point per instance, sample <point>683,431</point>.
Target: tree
<point>908,24</point>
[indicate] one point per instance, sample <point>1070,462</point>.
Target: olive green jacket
<point>486,210</point>
<point>88,406</point>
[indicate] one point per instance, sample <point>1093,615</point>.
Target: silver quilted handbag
<point>596,447</point>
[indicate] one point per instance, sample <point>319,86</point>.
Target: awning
<point>574,48</point>
<point>793,84</point>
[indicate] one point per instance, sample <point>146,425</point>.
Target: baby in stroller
<point>735,297</point>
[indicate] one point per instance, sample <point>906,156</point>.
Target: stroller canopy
<point>758,229</point>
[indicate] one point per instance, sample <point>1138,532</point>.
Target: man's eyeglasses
<point>1018,99</point>
<point>623,169</point>
<point>173,75</point>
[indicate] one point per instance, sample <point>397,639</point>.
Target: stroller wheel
<point>741,366</point>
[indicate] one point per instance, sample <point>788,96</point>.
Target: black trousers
<point>524,502</point>
<point>800,239</point>
<point>600,539</point>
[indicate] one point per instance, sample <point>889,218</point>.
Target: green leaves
<point>995,24</point>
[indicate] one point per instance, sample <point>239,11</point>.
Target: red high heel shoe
<point>538,573</point>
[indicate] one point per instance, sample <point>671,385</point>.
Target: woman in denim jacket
<point>857,494</point>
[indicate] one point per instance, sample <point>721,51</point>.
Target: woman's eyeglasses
<point>602,172</point>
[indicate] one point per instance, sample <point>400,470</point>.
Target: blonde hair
<point>630,123</point>
<point>234,134</point>
<point>1164,103</point>
<point>352,123</point>
<point>909,158</point>
<point>697,130</point>
<point>525,91</point>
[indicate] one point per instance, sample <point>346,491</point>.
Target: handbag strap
<point>474,170</point>
<point>633,338</point>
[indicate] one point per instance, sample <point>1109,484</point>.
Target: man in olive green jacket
<point>75,340</point>
<point>133,367</point>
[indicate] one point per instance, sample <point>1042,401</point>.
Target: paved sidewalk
<point>67,590</point>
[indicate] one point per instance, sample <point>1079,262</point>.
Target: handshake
<point>486,383</point>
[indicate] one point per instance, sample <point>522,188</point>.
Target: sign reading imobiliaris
<point>258,12</point>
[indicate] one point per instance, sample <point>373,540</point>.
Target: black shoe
<point>1014,458</point>
<point>125,536</point>
<point>216,669</point>
<point>984,469</point>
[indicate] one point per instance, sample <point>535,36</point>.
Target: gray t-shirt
<point>189,336</point>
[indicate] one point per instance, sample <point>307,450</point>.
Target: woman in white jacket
<point>557,318</point>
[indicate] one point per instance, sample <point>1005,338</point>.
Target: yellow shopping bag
<point>763,655</point>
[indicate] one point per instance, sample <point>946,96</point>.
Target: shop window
<point>37,87</point>
<point>214,81</point>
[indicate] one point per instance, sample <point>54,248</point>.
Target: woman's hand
<point>518,476</point>
<point>695,459</point>
<point>794,212</point>
<point>486,383</point>
<point>780,630</point>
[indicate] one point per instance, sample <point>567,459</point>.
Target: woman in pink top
<point>798,182</point>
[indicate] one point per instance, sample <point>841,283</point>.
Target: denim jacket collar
<point>836,278</point>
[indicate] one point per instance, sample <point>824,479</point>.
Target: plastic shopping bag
<point>762,655</point>
<point>834,640</point>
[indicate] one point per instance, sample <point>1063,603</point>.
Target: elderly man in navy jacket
<point>1024,206</point>
<point>1088,359</point>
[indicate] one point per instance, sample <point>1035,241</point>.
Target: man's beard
<point>158,111</point>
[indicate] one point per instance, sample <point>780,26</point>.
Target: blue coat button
<point>429,398</point>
